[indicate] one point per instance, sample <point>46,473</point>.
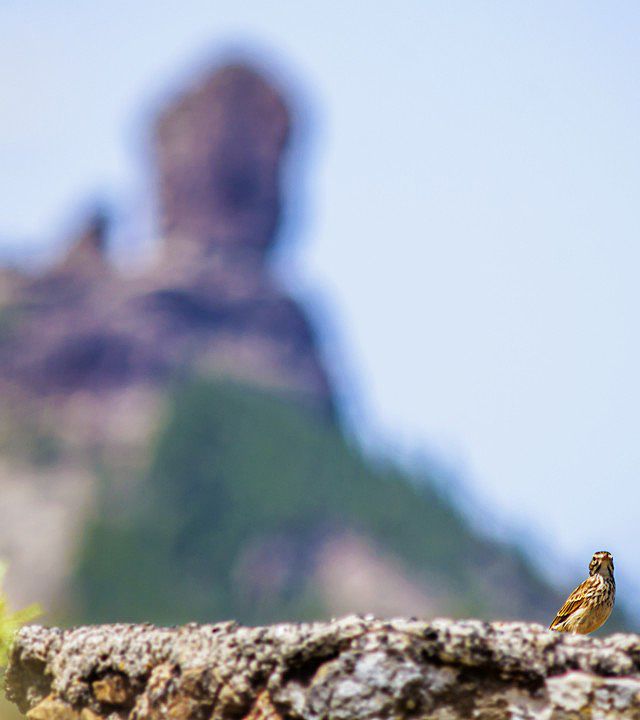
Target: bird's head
<point>602,563</point>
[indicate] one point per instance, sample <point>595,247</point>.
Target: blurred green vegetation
<point>11,622</point>
<point>233,468</point>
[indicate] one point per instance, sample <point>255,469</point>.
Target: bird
<point>590,604</point>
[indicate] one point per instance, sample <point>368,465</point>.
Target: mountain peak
<point>218,150</point>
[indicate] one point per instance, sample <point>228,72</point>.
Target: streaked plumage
<point>590,604</point>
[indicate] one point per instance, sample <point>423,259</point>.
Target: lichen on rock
<point>348,669</point>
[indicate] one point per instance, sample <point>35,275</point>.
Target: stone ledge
<point>357,667</point>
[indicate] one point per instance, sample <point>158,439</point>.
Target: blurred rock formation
<point>219,151</point>
<point>212,302</point>
<point>112,413</point>
<point>84,351</point>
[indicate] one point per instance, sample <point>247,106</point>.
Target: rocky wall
<point>347,669</point>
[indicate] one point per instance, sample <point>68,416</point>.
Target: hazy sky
<point>467,215</point>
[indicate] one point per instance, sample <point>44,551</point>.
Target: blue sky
<point>465,211</point>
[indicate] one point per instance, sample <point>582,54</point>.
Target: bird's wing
<point>572,603</point>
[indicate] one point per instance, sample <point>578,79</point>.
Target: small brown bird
<point>590,604</point>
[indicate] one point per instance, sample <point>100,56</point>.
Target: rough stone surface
<point>348,669</point>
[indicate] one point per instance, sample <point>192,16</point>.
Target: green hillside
<point>235,468</point>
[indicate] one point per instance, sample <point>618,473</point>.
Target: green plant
<point>11,622</point>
